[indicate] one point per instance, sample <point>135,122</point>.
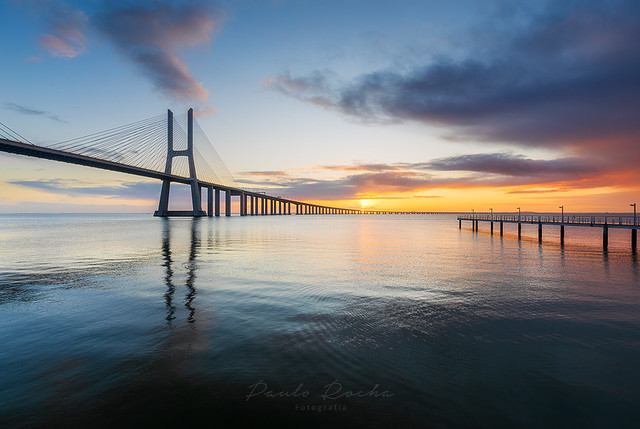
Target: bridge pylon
<point>163,205</point>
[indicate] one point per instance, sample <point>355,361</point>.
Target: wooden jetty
<point>602,221</point>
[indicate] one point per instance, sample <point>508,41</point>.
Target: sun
<point>364,204</point>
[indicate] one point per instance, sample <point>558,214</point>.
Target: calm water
<point>303,321</point>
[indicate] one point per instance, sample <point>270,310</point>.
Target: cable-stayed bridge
<point>160,148</point>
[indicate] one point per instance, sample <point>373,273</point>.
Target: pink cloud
<point>66,27</point>
<point>56,47</point>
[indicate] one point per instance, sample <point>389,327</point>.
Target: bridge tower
<point>163,206</point>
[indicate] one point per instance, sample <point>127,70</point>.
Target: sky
<point>434,105</point>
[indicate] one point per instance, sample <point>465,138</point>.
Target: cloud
<point>266,173</point>
<point>514,165</point>
<point>565,80</point>
<point>371,167</point>
<point>348,187</point>
<point>131,190</point>
<point>310,88</point>
<point>151,36</point>
<point>66,28</point>
<point>31,111</point>
<point>495,170</point>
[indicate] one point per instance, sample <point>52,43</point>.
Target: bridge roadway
<point>602,221</point>
<point>278,205</point>
<point>259,203</point>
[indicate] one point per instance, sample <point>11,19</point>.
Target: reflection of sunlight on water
<point>448,319</point>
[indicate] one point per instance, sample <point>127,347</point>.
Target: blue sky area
<point>433,105</point>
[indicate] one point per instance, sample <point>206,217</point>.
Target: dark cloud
<point>151,36</point>
<point>136,190</point>
<point>31,111</point>
<point>503,170</point>
<point>515,165</point>
<point>566,80</point>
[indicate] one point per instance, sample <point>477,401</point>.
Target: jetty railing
<point>598,221</point>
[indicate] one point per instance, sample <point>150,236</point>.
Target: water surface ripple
<point>131,320</point>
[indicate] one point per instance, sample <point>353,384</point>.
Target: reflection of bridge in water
<point>167,256</point>
<point>160,149</point>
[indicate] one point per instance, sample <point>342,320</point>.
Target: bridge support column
<point>227,202</point>
<point>210,201</point>
<point>217,202</point>
<point>634,239</point>
<point>251,206</point>
<point>163,205</point>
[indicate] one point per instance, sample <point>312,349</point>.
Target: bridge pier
<point>196,198</point>
<point>605,237</point>
<point>217,202</point>
<point>501,229</point>
<point>634,239</point>
<point>519,230</point>
<point>492,228</point>
<point>561,235</point>
<point>227,202</point>
<point>210,201</point>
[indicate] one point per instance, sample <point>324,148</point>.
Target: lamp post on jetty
<point>562,207</point>
<point>634,212</point>
<point>518,214</point>
<point>491,213</point>
<point>473,221</point>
